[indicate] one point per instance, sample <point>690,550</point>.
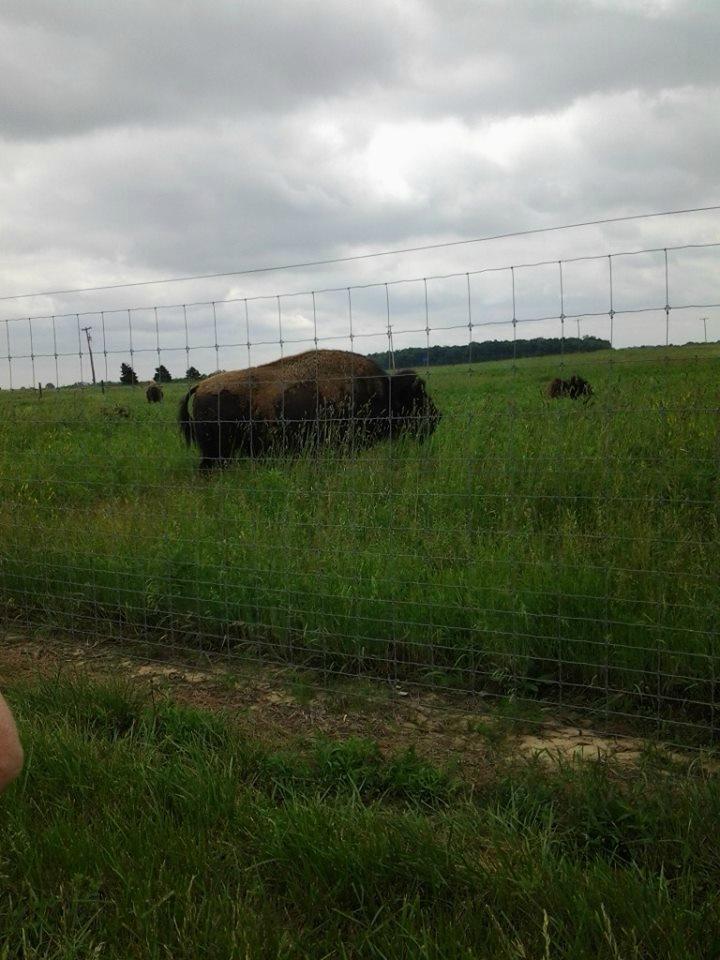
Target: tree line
<point>161,375</point>
<point>479,352</point>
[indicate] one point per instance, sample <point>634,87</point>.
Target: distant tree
<point>49,386</point>
<point>127,375</point>
<point>162,375</point>
<point>192,373</point>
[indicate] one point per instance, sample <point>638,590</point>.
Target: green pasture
<point>551,549</point>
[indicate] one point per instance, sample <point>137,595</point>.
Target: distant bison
<point>574,388</point>
<point>154,393</point>
<point>322,397</point>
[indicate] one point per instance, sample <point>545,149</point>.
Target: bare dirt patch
<point>276,704</point>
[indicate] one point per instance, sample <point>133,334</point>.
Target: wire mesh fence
<point>531,513</point>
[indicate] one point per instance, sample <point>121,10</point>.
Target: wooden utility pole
<point>89,343</point>
<point>704,320</point>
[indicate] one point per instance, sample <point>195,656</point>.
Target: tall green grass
<point>147,830</point>
<point>551,549</point>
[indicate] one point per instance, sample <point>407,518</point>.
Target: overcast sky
<point>149,140</point>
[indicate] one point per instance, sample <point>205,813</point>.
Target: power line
<point>362,256</point>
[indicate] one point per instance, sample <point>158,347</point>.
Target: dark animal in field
<point>574,388</point>
<point>319,398</point>
<point>154,393</point>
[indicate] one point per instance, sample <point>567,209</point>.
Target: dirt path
<point>276,704</point>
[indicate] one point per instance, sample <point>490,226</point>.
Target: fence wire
<point>502,534</point>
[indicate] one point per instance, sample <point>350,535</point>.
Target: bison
<point>574,388</point>
<point>317,398</point>
<point>154,392</point>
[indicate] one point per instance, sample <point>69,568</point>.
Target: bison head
<point>411,408</point>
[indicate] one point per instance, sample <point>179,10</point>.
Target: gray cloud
<point>527,57</point>
<point>79,67</point>
<point>76,67</point>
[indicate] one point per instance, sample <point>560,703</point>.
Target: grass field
<point>552,550</point>
<point>145,829</point>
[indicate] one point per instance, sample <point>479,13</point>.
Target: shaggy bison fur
<point>574,388</point>
<point>154,393</point>
<point>322,397</point>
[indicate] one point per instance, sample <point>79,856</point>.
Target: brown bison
<point>321,397</point>
<point>574,388</point>
<point>154,392</point>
